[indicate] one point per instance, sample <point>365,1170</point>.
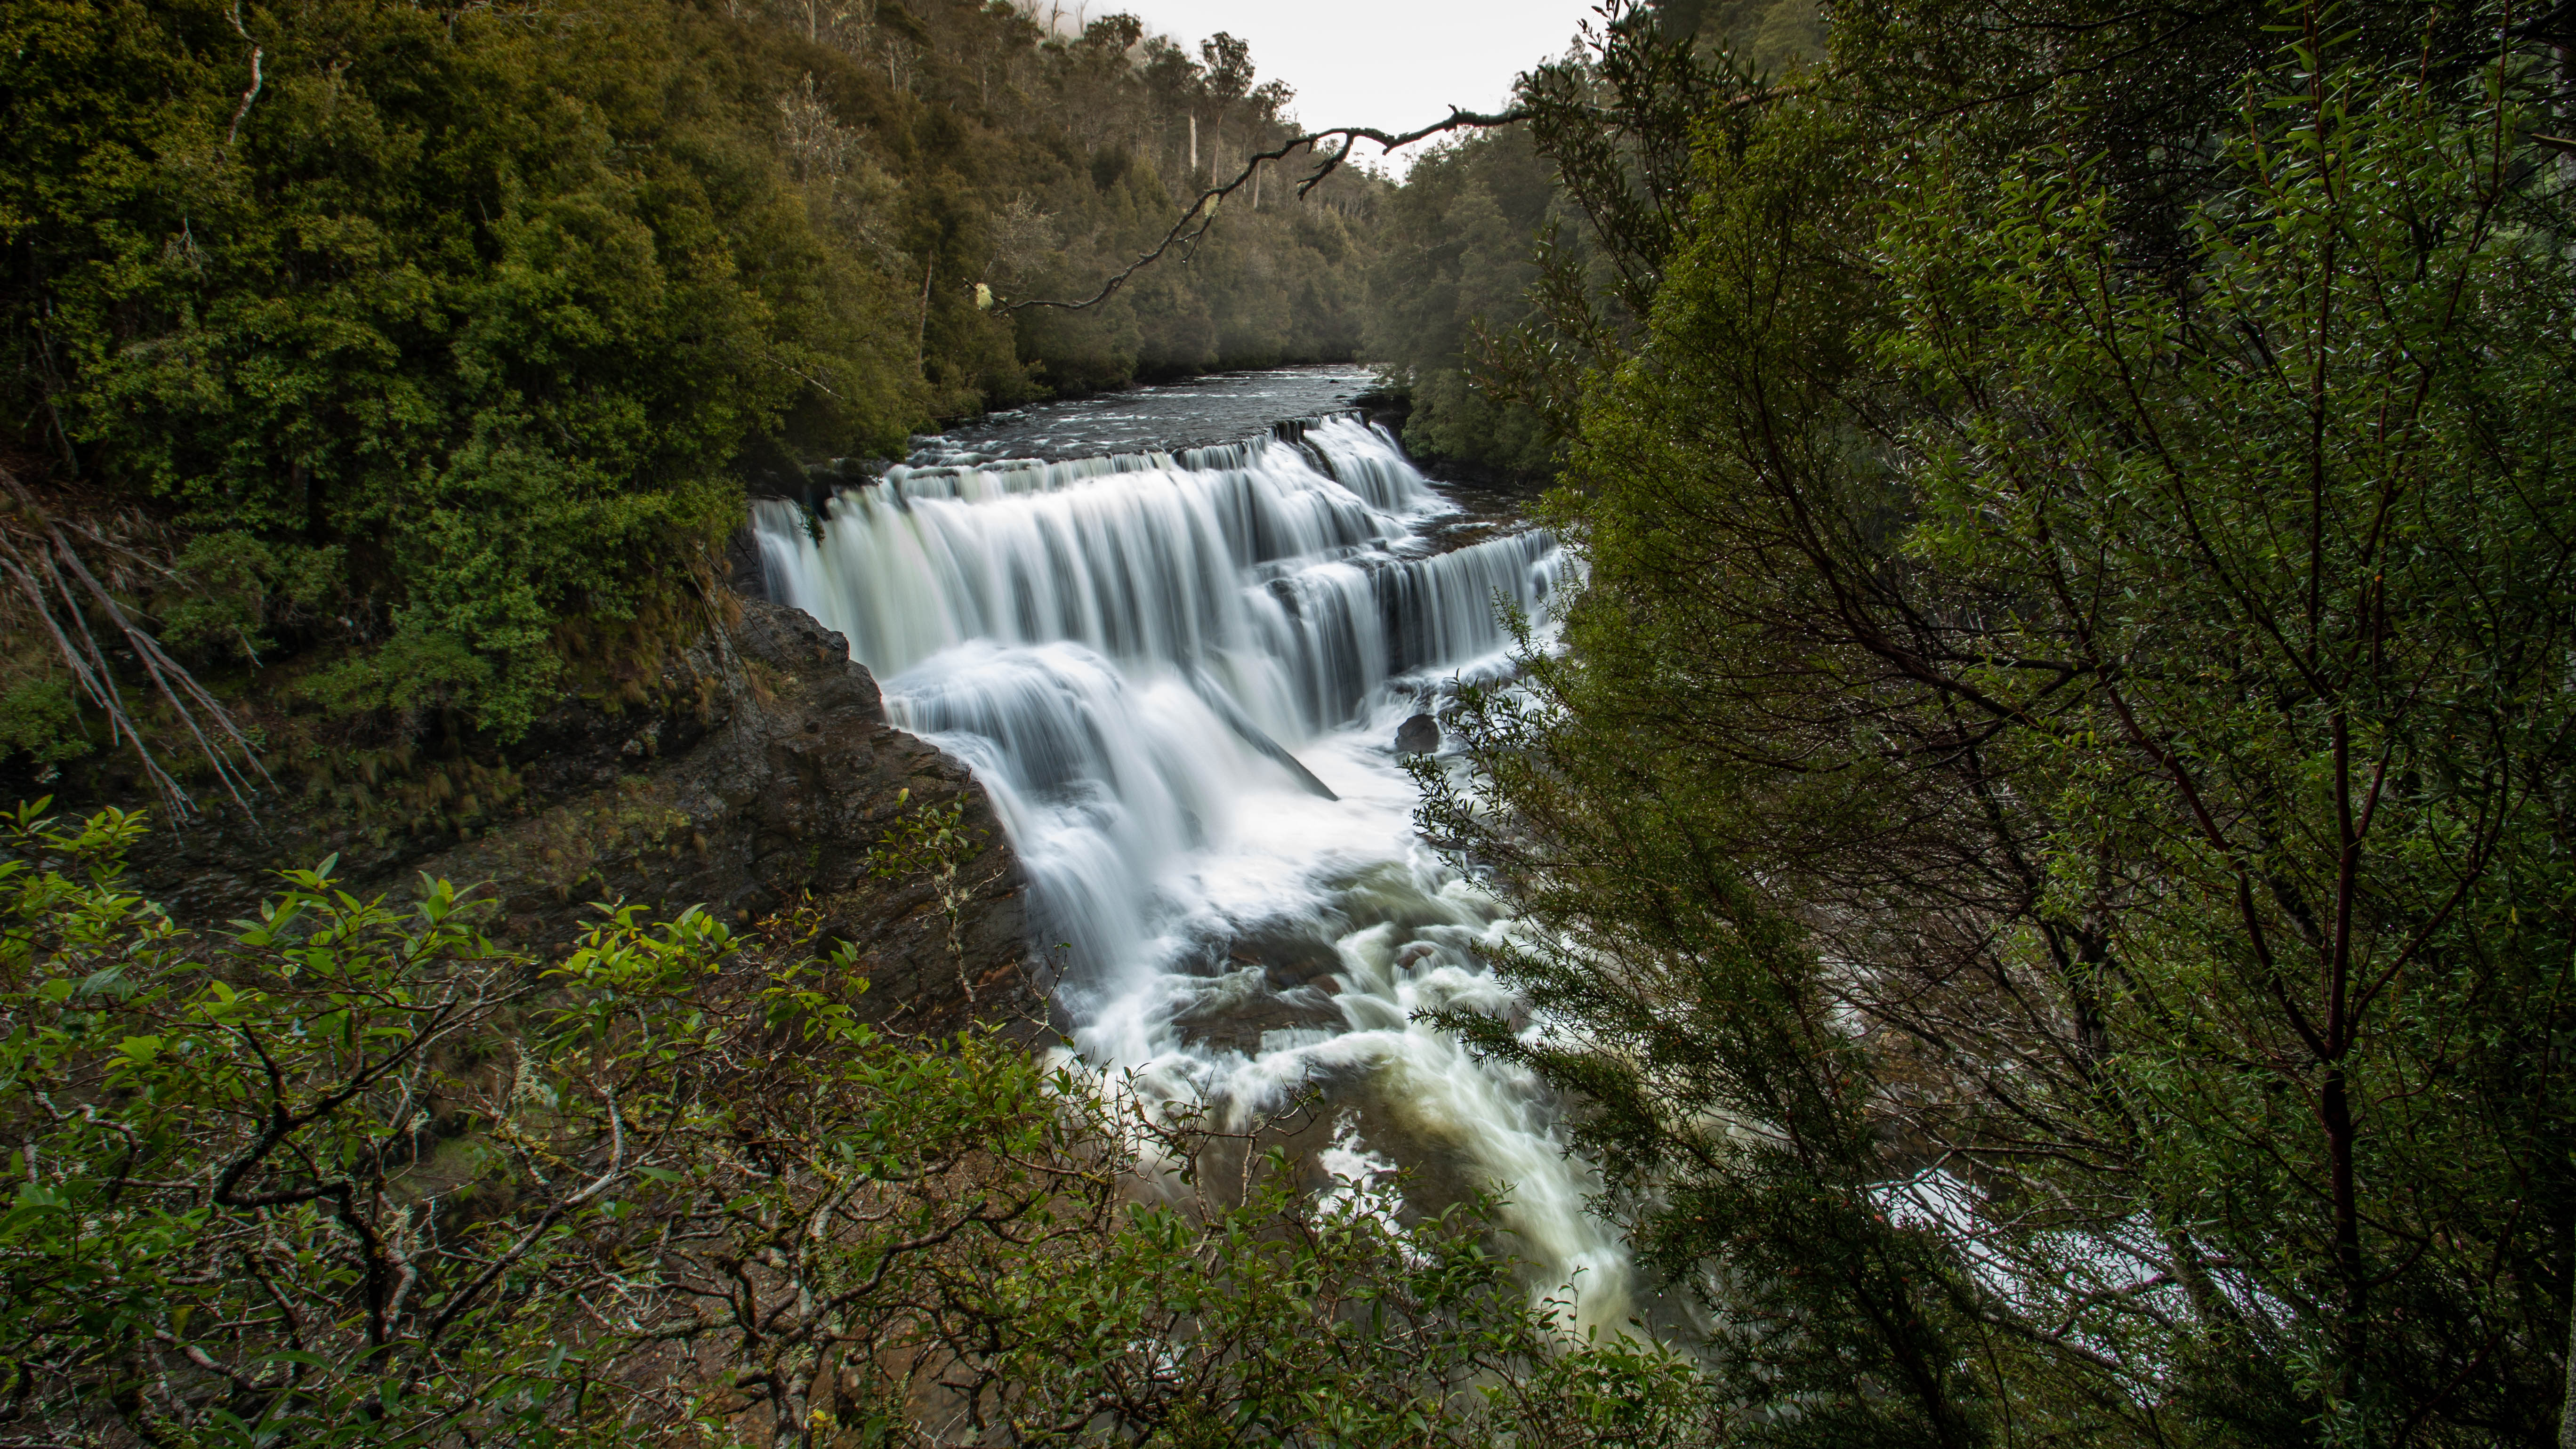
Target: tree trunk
<point>921,330</point>
<point>2567,1405</point>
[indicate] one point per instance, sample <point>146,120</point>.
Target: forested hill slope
<point>397,365</point>
<point>1464,247</point>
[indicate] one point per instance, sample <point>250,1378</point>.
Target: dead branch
<point>1194,223</point>
<point>233,133</point>
<point>37,554</point>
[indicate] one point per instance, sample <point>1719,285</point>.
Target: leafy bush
<point>40,718</point>
<point>346,1173</point>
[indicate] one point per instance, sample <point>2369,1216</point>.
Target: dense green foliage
<point>387,339</point>
<point>1503,262</point>
<point>450,312</point>
<point>346,1174</point>
<point>2042,843</point>
<point>1455,261</point>
<point>2046,838</point>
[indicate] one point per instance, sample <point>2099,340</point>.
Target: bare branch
<point>233,132</point>
<point>52,574</point>
<point>1202,211</point>
<point>1194,223</point>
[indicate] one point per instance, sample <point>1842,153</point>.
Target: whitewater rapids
<point>1179,678</point>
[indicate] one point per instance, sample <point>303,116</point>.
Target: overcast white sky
<point>1391,63</point>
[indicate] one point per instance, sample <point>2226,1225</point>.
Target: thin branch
<point>466,1296</point>
<point>1203,209</point>
<point>1185,234</point>
<point>89,664</point>
<point>176,684</point>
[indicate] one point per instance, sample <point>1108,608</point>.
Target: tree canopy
<point>2041,834</point>
<point>375,345</point>
<point>2039,837</point>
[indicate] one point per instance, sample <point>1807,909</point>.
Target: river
<point>1181,675</point>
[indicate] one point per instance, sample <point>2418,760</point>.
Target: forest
<point>2041,845</point>
<point>415,339</point>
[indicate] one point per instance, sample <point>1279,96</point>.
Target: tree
<point>2095,652</point>
<point>1493,297</point>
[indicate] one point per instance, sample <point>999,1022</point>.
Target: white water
<point>1140,656</point>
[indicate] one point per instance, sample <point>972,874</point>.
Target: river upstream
<point>1177,643</point>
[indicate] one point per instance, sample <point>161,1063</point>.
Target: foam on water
<point>1179,678</point>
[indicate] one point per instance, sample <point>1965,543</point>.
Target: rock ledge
<point>776,794</point>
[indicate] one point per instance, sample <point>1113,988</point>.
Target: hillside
<point>400,371</point>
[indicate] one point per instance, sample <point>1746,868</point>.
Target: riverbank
<point>766,788</point>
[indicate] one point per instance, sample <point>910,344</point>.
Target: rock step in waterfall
<point>1181,680</point>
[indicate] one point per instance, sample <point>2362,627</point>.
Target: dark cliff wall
<point>774,797</point>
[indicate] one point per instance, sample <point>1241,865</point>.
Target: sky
<point>1395,64</point>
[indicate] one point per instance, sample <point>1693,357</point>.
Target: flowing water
<point>1180,677</point>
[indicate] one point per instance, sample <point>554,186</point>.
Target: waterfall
<point>1179,677</point>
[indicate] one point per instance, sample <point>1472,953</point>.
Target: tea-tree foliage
<point>2047,821</point>
<point>344,1173</point>
<point>1561,223</point>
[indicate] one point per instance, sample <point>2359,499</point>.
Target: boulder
<point>1419,735</point>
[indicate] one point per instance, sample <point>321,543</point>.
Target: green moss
<point>41,720</point>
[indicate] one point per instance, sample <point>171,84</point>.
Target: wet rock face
<point>1419,735</point>
<point>1275,976</point>
<point>774,797</point>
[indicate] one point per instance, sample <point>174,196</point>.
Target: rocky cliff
<point>772,795</point>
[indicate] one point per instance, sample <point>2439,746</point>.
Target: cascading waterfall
<point>1179,677</point>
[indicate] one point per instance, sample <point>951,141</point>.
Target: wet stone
<point>1419,735</point>
<point>1229,1022</point>
<point>1287,957</point>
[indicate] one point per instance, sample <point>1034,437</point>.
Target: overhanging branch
<point>1194,223</point>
